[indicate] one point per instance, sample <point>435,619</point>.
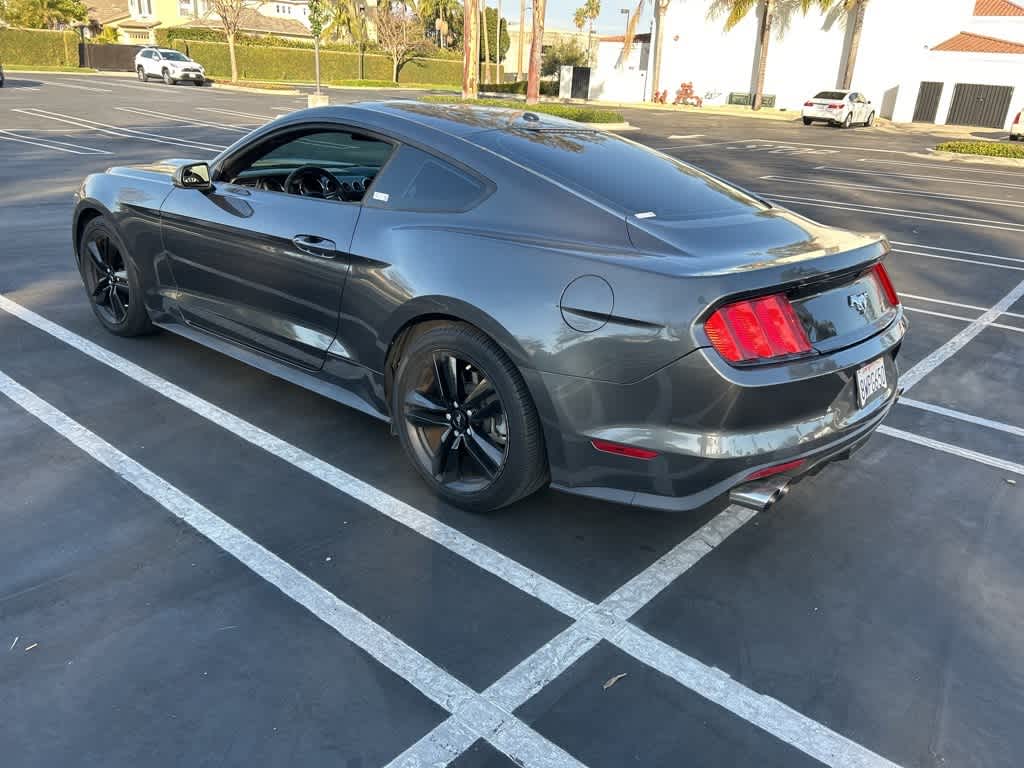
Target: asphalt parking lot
<point>202,565</point>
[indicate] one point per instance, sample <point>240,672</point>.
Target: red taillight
<point>835,106</point>
<point>778,469</point>
<point>1016,120</point>
<point>886,283</point>
<point>808,103</point>
<point>757,329</point>
<point>618,449</point>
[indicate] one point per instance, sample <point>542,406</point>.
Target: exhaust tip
<point>761,495</point>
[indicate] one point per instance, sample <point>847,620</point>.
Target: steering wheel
<point>312,181</point>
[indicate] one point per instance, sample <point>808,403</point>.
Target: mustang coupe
<point>525,300</point>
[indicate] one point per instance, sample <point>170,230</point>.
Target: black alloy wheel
<point>466,419</point>
<point>111,281</point>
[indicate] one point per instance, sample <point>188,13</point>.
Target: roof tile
<point>968,42</point>
<point>997,8</point>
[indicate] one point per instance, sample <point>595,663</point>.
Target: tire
<point>807,121</point>
<point>1014,137</point>
<point>125,315</point>
<point>198,83</point>
<point>848,120</point>
<point>431,423</point>
<point>871,121</point>
<point>141,73</point>
<point>168,80</point>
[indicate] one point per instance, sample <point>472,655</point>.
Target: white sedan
<point>843,108</point>
<point>169,65</point>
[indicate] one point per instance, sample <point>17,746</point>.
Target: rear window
<point>834,95</point>
<point>623,175</point>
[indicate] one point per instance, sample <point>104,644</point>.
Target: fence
<point>115,58</point>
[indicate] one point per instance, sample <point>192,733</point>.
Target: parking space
<point>207,565</point>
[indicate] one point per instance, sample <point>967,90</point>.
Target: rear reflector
<point>778,469</point>
<point>757,329</point>
<point>618,449</point>
<point>883,279</point>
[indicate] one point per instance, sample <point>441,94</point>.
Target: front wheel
<point>168,80</point>
<point>112,281</point>
<point>807,121</point>
<point>466,419</point>
<point>141,73</point>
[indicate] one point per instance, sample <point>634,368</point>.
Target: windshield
<point>832,95</point>
<point>622,175</point>
<point>174,56</point>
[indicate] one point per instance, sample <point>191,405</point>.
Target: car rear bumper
<point>711,425</point>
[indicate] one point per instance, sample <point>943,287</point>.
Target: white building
<point>941,61</point>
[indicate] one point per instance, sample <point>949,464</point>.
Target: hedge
<point>547,87</point>
<point>579,114</point>
<point>296,64</point>
<point>987,148</point>
<point>40,47</point>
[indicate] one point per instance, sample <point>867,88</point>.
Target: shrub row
<point>987,148</point>
<point>579,114</point>
<point>39,47</point>
<point>547,87</point>
<point>296,64</point>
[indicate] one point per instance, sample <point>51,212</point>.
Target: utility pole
<point>471,49</point>
<point>522,39</point>
<point>536,44</point>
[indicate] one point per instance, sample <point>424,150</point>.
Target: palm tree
<point>847,12</point>
<point>487,41</point>
<point>660,6</point>
<point>627,42</point>
<point>584,15</point>
<point>771,14</point>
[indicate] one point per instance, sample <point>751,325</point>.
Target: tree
<point>564,53</point>
<point>471,49</point>
<point>231,14</point>
<point>449,14</point>
<point>847,12</point>
<point>487,42</point>
<point>540,8</point>
<point>772,14</point>
<point>318,14</point>
<point>400,34</point>
<point>660,6</point>
<point>627,42</point>
<point>585,16</point>
<point>501,41</point>
<point>44,14</point>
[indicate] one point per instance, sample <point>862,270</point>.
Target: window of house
<point>186,8</point>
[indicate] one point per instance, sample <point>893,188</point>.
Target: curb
<point>253,89</point>
<point>959,157</point>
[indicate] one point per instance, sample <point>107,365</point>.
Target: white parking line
<point>853,148</point>
<point>962,260</point>
<point>594,621</point>
<point>961,416</point>
<point>972,169</point>
<point>78,87</point>
<point>233,113</point>
<point>179,119</point>
<point>901,213</point>
<point>938,314</point>
<point>958,342</point>
<point>56,146</point>
<point>687,136</point>
<point>117,131</point>
<point>955,450</point>
<point>501,729</point>
<point>875,188</point>
<point>693,146</point>
<point>955,304</point>
<point>954,250</point>
<point>855,171</point>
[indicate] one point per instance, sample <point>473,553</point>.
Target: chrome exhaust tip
<point>760,495</point>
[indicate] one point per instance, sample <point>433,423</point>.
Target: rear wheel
<point>1014,137</point>
<point>198,82</point>
<point>466,419</point>
<point>848,120</point>
<point>168,80</point>
<point>871,120</point>
<point>112,282</point>
<point>141,73</point>
<point>807,121</point>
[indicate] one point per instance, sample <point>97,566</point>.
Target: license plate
<point>870,380</point>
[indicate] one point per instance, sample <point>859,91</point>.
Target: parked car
<point>842,108</point>
<point>1017,129</point>
<point>169,65</point>
<point>525,300</point>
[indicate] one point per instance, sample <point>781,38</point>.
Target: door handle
<point>316,246</point>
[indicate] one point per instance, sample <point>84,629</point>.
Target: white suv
<point>171,66</point>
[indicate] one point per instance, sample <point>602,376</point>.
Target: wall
<point>630,83</point>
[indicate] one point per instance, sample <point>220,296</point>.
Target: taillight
<point>757,329</point>
<point>808,103</point>
<point>1016,120</point>
<point>778,469</point>
<point>835,106</point>
<point>883,279</point>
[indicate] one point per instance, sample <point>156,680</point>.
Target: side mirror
<point>193,176</point>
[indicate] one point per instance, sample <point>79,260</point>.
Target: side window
<point>418,181</point>
<point>338,164</point>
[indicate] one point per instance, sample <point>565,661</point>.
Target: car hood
<point>160,170</point>
<point>744,242</point>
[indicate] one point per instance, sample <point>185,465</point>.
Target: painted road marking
<point>855,171</point>
<point>52,144</point>
<point>78,87</point>
<point>904,214</point>
<point>889,191</point>
<point>687,136</point>
<point>179,119</point>
<point>589,618</point>
<point>117,131</point>
<point>233,113</point>
<point>972,168</point>
<point>961,416</point>
<point>954,304</point>
<point>955,450</point>
<point>847,148</point>
<point>957,258</point>
<point>519,742</point>
<point>954,250</point>
<point>958,342</point>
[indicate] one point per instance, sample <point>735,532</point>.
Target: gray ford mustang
<point>526,301</point>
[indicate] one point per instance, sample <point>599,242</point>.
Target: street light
<point>625,12</point>
<point>361,10</point>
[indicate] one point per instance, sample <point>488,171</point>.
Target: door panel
<point>258,268</point>
<point>927,106</point>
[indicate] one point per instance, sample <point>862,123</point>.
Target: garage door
<point>983,105</point>
<point>927,102</point>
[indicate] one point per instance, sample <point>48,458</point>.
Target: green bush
<point>296,64</point>
<point>579,114</point>
<point>547,88</point>
<point>986,148</point>
<point>39,47</point>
